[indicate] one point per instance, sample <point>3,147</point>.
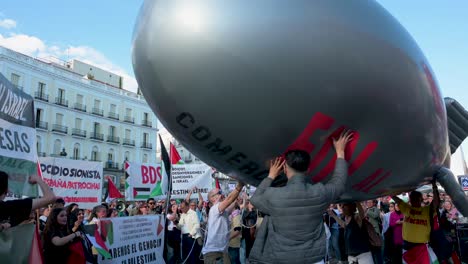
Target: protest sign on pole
<point>18,153</point>
<point>142,181</point>
<point>187,176</point>
<point>128,240</point>
<point>463,182</point>
<point>77,181</point>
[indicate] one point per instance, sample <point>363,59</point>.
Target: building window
<point>97,127</point>
<point>79,99</point>
<point>38,144</point>
<point>127,156</point>
<point>110,156</point>
<point>145,138</point>
<point>145,158</point>
<point>128,112</point>
<point>97,104</point>
<point>76,151</point>
<point>95,154</point>
<point>41,88</point>
<point>128,133</point>
<point>15,79</point>
<point>58,119</point>
<point>78,123</point>
<point>57,146</point>
<point>112,131</point>
<point>113,108</point>
<point>61,94</point>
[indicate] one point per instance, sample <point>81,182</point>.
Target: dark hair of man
<point>149,200</point>
<point>3,182</point>
<point>415,195</point>
<point>184,203</point>
<point>298,160</point>
<point>60,201</point>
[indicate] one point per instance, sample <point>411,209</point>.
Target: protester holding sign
<point>19,210</point>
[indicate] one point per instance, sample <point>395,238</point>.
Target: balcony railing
<point>113,115</point>
<point>41,154</point>
<point>80,107</point>
<point>129,119</point>
<point>61,101</point>
<point>59,128</point>
<point>146,145</point>
<point>96,136</point>
<point>97,111</point>
<point>42,125</point>
<point>113,139</point>
<point>41,96</point>
<point>75,158</point>
<point>78,132</point>
<point>128,142</point>
<point>112,165</point>
<point>146,123</point>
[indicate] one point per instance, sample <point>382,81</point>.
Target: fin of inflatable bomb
<point>446,178</point>
<point>457,121</point>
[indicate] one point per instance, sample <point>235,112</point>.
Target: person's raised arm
<point>48,195</point>
<point>200,200</point>
<point>336,185</point>
<point>189,194</point>
<point>259,199</point>
<point>436,197</point>
<point>231,197</point>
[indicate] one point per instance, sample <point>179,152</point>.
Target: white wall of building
<point>64,93</point>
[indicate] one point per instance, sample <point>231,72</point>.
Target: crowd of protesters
<point>225,229</point>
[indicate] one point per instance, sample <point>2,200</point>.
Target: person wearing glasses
<point>292,230</point>
<point>152,208</point>
<point>216,245</point>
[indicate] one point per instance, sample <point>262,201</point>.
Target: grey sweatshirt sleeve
<point>336,185</point>
<point>260,199</point>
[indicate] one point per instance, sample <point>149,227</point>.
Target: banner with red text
<point>141,181</point>
<point>77,181</point>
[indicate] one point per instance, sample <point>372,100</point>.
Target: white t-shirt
<point>217,239</point>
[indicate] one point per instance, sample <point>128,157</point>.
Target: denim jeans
<point>234,255</point>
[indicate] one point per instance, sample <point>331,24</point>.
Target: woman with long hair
<point>57,238</point>
<point>142,209</point>
<point>99,212</point>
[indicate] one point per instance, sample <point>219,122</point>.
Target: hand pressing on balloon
<point>341,142</point>
<point>276,167</point>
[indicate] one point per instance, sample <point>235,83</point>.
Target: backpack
<point>375,239</point>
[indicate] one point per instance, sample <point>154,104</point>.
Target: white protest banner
<point>142,181</point>
<point>128,240</point>
<point>77,181</point>
<point>18,154</point>
<point>187,176</point>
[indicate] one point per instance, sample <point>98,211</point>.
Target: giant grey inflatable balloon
<point>238,83</point>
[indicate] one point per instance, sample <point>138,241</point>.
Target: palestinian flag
<point>101,235</point>
<point>162,187</point>
<point>175,157</point>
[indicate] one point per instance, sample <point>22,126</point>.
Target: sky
<point>100,32</point>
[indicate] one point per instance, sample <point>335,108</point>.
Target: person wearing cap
<point>217,239</point>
